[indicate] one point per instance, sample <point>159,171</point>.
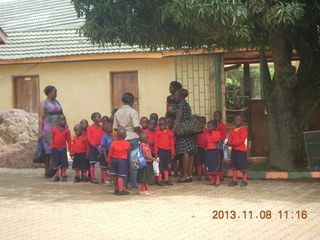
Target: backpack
<point>137,159</point>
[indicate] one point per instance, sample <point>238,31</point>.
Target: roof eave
<point>3,36</point>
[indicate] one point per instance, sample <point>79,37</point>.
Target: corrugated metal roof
<point>46,28</point>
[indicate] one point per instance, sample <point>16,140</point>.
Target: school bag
<point>137,159</point>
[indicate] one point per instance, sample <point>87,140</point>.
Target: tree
<point>279,26</point>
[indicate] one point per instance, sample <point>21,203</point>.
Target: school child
<point>84,125</point>
<point>113,131</point>
<point>236,141</point>
<point>212,160</point>
<point>94,135</point>
<point>146,174</point>
<point>105,146</point>
<point>151,132</point>
<point>79,154</point>
<point>104,120</point>
<point>201,152</point>
<point>155,117</point>
<point>164,148</point>
<point>118,161</point>
<point>60,137</point>
<point>144,123</point>
<point>223,130</point>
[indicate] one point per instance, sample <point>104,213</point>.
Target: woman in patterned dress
<point>186,145</point>
<point>49,110</point>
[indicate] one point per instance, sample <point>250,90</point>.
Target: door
<point>26,93</point>
<point>124,82</point>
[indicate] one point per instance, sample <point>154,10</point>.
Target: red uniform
<point>151,138</point>
<point>145,150</point>
<point>119,149</point>
<point>164,140</point>
<point>60,138</point>
<point>222,128</point>
<point>237,138</point>
<point>212,139</point>
<point>80,145</point>
<point>94,135</point>
<point>201,143</point>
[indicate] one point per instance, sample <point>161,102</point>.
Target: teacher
<point>49,110</point>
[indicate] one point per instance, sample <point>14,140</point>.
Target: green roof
<point>46,28</point>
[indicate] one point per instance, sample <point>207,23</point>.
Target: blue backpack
<point>137,159</point>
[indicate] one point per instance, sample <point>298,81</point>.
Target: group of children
<point>99,142</point>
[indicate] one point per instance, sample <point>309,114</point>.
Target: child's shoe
<point>217,185</point>
<point>116,192</point>
<point>94,181</point>
<point>161,183</point>
<point>56,179</point>
<point>233,183</point>
<point>107,183</point>
<point>145,193</point>
<point>64,178</point>
<point>76,179</point>
<point>168,183</point>
<point>244,183</point>
<point>85,179</point>
<point>123,192</point>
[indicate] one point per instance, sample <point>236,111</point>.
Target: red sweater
<point>164,140</point>
<point>212,139</point>
<point>201,143</point>
<point>237,138</point>
<point>119,149</point>
<point>145,150</point>
<point>223,130</point>
<point>60,138</point>
<point>80,145</point>
<point>151,137</point>
<point>94,135</point>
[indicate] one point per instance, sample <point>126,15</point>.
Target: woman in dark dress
<point>185,145</point>
<point>172,104</point>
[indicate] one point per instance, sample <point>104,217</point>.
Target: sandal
<point>182,180</point>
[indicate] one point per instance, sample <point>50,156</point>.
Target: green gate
<point>202,76</point>
<point>312,142</point>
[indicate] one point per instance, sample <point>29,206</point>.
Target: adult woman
<point>128,118</point>
<point>185,145</point>
<point>49,111</point>
<point>172,104</point>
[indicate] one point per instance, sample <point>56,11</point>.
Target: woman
<point>49,110</point>
<point>171,101</point>
<point>185,145</point>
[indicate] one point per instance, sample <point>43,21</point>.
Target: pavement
<point>32,207</point>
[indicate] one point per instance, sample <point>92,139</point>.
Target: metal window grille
<point>312,142</point>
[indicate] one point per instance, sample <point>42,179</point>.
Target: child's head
<point>152,124</point>
<point>121,133</point>
<point>106,127</point>
<point>154,116</point>
<point>162,123</point>
<point>84,124</point>
<point>203,121</point>
<point>170,122</point>
<point>77,130</point>
<point>104,119</point>
<point>96,117</point>
<point>144,123</point>
<point>174,86</point>
<point>238,120</point>
<point>62,120</point>
<point>181,94</point>
<point>143,137</point>
<point>217,116</point>
<point>212,125</point>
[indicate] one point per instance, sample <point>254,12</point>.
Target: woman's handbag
<point>189,128</point>
<point>39,155</point>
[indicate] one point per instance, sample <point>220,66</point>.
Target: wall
<point>84,87</point>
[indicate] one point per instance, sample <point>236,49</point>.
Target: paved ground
<point>32,207</point>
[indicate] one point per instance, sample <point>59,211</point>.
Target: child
<point>164,148</point>
<point>213,161</point>
<point>104,120</point>
<point>170,122</point>
<point>144,123</point>
<point>79,154</point>
<point>94,136</point>
<point>201,152</point>
<point>113,131</point>
<point>146,174</point>
<point>236,140</point>
<point>105,145</point>
<point>84,125</point>
<point>223,130</point>
<point>60,136</point>
<point>118,161</point>
<point>155,117</point>
<point>151,132</point>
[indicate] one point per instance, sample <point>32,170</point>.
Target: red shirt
<point>164,140</point>
<point>201,143</point>
<point>80,145</point>
<point>94,134</point>
<point>145,150</point>
<point>119,149</point>
<point>151,137</point>
<point>60,138</point>
<point>223,130</point>
<point>212,138</point>
<point>84,133</point>
<point>237,138</point>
